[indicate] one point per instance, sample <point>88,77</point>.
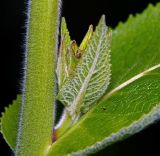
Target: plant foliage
<point>131,101</point>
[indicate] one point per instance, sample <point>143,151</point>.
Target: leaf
<point>69,53</point>
<point>92,74</point>
<point>86,38</point>
<point>65,32</point>
<point>9,122</point>
<point>72,58</point>
<point>132,101</point>
<point>62,66</point>
<point>74,53</point>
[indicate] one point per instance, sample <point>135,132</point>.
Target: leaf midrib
<point>131,80</point>
<point>90,73</point>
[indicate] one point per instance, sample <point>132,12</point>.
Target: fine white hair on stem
<point>60,4</point>
<point>23,81</point>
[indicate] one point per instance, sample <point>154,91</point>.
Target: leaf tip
<point>103,20</point>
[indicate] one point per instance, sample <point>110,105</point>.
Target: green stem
<point>36,121</point>
<point>64,124</point>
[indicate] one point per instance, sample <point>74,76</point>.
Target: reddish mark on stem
<point>54,136</point>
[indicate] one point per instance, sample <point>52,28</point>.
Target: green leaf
<point>69,53</point>
<point>133,98</point>
<point>9,122</point>
<point>65,32</point>
<point>92,74</point>
<point>87,38</point>
<point>62,66</point>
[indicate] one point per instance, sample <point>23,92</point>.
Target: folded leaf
<point>69,53</point>
<point>9,122</point>
<point>86,38</point>
<point>92,75</point>
<point>133,98</point>
<point>62,71</point>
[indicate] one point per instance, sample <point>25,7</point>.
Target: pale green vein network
<point>92,75</point>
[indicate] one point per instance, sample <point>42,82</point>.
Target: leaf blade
<point>61,71</point>
<point>135,49</point>
<point>96,61</point>
<point>9,122</point>
<point>133,61</point>
<point>105,124</point>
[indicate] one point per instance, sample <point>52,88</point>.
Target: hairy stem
<point>36,121</point>
<point>64,124</point>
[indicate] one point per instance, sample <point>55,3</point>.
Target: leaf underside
<point>92,75</point>
<point>133,98</point>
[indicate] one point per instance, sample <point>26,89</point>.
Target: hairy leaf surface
<point>62,71</point>
<point>92,75</point>
<point>133,98</point>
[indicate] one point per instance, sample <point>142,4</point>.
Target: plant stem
<point>36,121</point>
<point>64,124</point>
